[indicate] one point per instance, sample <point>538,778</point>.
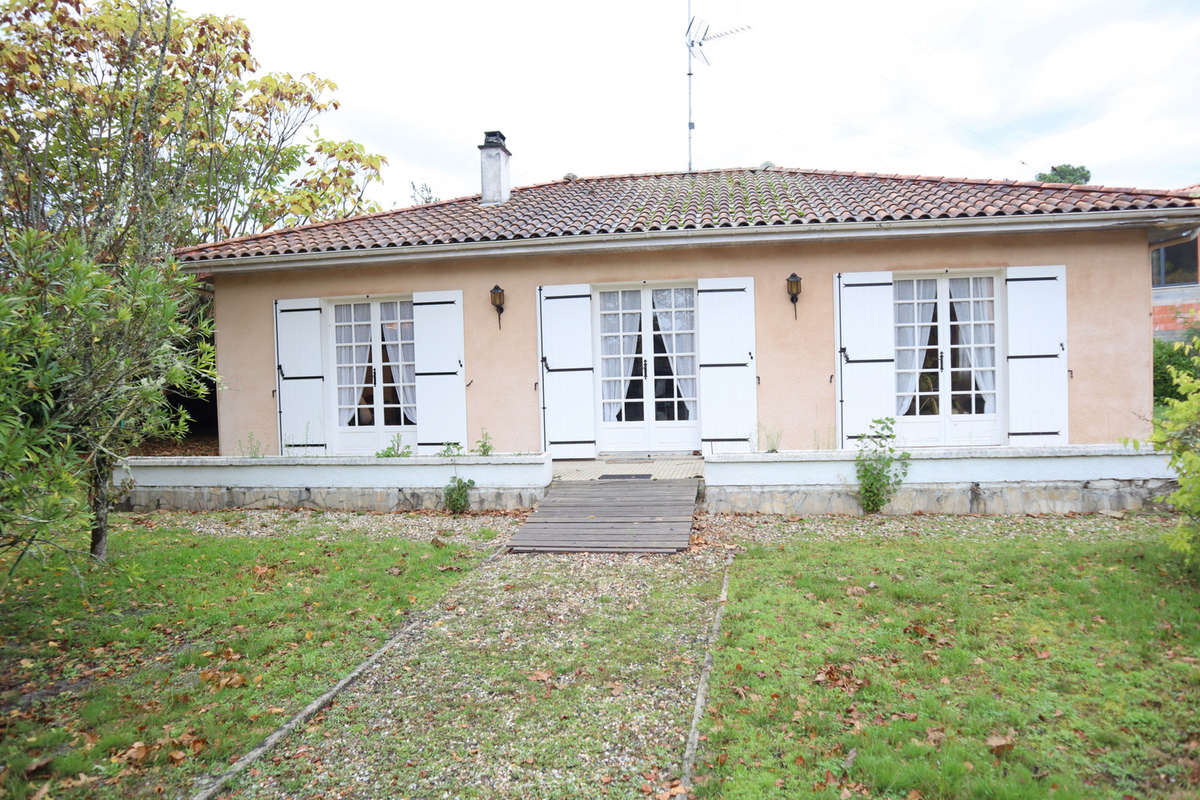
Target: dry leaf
<point>999,745</point>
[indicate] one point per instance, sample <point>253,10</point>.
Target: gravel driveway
<point>538,676</point>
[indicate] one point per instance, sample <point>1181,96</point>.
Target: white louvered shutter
<point>866,354</point>
<point>568,377</point>
<point>439,352</point>
<point>728,377</point>
<point>299,377</point>
<point>1037,355</point>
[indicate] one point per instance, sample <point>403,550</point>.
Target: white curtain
<point>983,359</point>
<point>408,368</point>
<point>349,377</point>
<point>926,295</point>
<point>613,392</point>
<point>685,387</point>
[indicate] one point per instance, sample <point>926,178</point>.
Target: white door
<point>647,387</point>
<point>946,357</point>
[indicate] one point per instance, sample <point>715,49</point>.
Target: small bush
<point>1167,355</point>
<point>485,446</point>
<point>879,468</point>
<point>456,494</point>
<point>1177,433</point>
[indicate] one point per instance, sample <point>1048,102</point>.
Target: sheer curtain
<point>685,387</point>
<point>350,377</point>
<point>613,392</point>
<point>926,306</point>
<point>408,366</point>
<point>983,359</point>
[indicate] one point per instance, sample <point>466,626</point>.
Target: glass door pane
<point>674,365</point>
<point>972,318</point>
<point>918,380</point>
<point>622,368</point>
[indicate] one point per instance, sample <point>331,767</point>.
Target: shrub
<point>485,446</point>
<point>1177,433</point>
<point>455,494</point>
<point>879,469</point>
<point>1166,356</point>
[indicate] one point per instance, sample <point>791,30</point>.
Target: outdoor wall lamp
<point>498,302</point>
<point>793,290</point>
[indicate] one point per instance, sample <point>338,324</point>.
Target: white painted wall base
<point>277,472</point>
<point>977,480</point>
<point>934,465</point>
<point>351,483</point>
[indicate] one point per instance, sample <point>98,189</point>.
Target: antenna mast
<point>695,37</point>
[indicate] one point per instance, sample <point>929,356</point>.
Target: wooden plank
<point>613,516</point>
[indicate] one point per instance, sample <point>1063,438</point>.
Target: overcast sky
<point>988,89</point>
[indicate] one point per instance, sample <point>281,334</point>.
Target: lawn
<point>928,657</point>
<point>203,634</point>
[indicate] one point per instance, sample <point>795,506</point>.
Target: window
<point>634,388</point>
<point>376,369</point>
<point>936,318</point>
<point>1174,265</point>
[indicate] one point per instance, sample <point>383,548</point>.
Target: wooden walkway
<point>610,516</point>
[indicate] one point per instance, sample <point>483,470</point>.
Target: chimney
<point>493,169</point>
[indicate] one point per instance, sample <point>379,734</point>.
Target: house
<point>1173,270</point>
<point>722,311</point>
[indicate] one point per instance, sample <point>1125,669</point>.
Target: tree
<point>422,194</point>
<point>90,354</point>
<point>136,128</point>
<point>1065,173</point>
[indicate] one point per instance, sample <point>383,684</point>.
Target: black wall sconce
<point>498,302</point>
<point>793,290</point>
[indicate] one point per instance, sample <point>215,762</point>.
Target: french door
<point>647,379</point>
<point>947,360</point>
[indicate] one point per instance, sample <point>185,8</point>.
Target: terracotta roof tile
<point>675,201</point>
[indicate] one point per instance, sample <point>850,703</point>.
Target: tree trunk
<point>101,480</point>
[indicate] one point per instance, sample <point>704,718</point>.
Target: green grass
<point>1071,644</point>
<point>195,646</point>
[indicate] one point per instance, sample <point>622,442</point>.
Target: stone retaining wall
<point>211,498</point>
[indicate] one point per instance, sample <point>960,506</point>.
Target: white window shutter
<point>441,389</point>
<point>728,376</point>
<point>299,377</point>
<point>866,357</point>
<point>568,377</point>
<point>1037,355</point>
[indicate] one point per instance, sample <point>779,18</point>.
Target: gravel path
<point>537,676</point>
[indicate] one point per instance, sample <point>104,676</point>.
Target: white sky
<point>981,89</point>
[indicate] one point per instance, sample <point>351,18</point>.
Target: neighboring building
<point>652,313</point>
<point>1176,281</point>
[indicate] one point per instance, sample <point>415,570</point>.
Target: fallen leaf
<point>849,760</point>
<point>37,764</point>
<point>999,745</point>
<point>176,757</point>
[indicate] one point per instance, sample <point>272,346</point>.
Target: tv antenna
<point>698,32</point>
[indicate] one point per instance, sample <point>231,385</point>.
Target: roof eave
<point>708,237</point>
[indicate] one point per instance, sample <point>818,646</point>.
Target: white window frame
<point>366,439</point>
<point>947,429</point>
